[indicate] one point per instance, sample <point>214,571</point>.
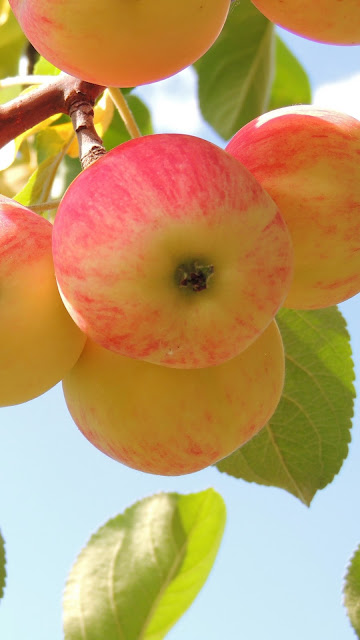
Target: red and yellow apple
<point>39,341</point>
<point>168,250</point>
<point>329,21</point>
<point>174,421</point>
<point>308,160</point>
<point>121,43</point>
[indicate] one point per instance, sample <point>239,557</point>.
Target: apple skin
<point>174,421</point>
<point>39,341</point>
<point>327,21</point>
<point>121,43</point>
<point>307,159</point>
<point>129,221</point>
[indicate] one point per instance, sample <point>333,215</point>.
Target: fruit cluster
<point>172,258</point>
<point>154,295</point>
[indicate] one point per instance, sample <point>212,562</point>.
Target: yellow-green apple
<point>329,21</point>
<point>174,421</point>
<point>308,160</point>
<point>121,43</point>
<point>168,250</point>
<point>39,341</point>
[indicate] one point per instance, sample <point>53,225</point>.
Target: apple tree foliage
<point>155,557</point>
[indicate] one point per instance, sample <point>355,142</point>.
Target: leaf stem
<point>44,206</point>
<point>123,108</point>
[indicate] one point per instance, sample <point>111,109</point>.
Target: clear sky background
<point>279,572</point>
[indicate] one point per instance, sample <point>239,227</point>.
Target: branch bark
<point>23,113</point>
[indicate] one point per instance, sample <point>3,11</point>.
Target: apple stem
<point>124,110</point>
<point>194,275</point>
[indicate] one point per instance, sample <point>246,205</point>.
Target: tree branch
<point>23,113</point>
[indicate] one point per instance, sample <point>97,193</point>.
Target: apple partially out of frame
<point>39,341</point>
<point>308,160</point>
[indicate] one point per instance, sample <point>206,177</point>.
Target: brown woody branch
<point>65,94</point>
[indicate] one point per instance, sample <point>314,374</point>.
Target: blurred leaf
<point>235,75</point>
<point>304,444</point>
<point>117,132</point>
<point>39,186</point>
<point>12,42</point>
<point>10,30</point>
<point>141,571</point>
<point>4,11</point>
<point>2,566</point>
<point>352,591</point>
<point>44,68</point>
<point>291,84</point>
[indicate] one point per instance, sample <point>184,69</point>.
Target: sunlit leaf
<point>235,75</point>
<point>306,441</point>
<point>2,566</point>
<point>141,571</point>
<point>43,67</point>
<point>4,11</point>
<point>352,591</point>
<point>39,187</point>
<point>291,84</point>
<point>10,30</point>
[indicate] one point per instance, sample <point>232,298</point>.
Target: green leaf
<point>141,571</point>
<point>39,186</point>
<point>117,132</point>
<point>45,68</point>
<point>291,84</point>
<point>305,443</point>
<point>2,566</point>
<point>235,75</point>
<point>12,41</point>
<point>10,30</point>
<point>352,591</point>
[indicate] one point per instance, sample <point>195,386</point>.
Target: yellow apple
<point>329,21</point>
<point>174,421</point>
<point>121,43</point>
<point>39,342</point>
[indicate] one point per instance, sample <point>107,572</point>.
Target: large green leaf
<point>352,591</point>
<point>304,444</point>
<point>2,566</point>
<point>291,84</point>
<point>235,75</point>
<point>142,570</point>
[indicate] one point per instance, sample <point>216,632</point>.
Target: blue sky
<point>280,568</point>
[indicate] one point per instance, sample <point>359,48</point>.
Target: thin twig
<point>26,80</point>
<point>122,106</point>
<point>45,206</point>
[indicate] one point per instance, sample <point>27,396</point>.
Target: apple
<point>174,421</point>
<point>328,21</point>
<point>307,159</point>
<point>121,43</point>
<point>168,250</point>
<point>39,341</point>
